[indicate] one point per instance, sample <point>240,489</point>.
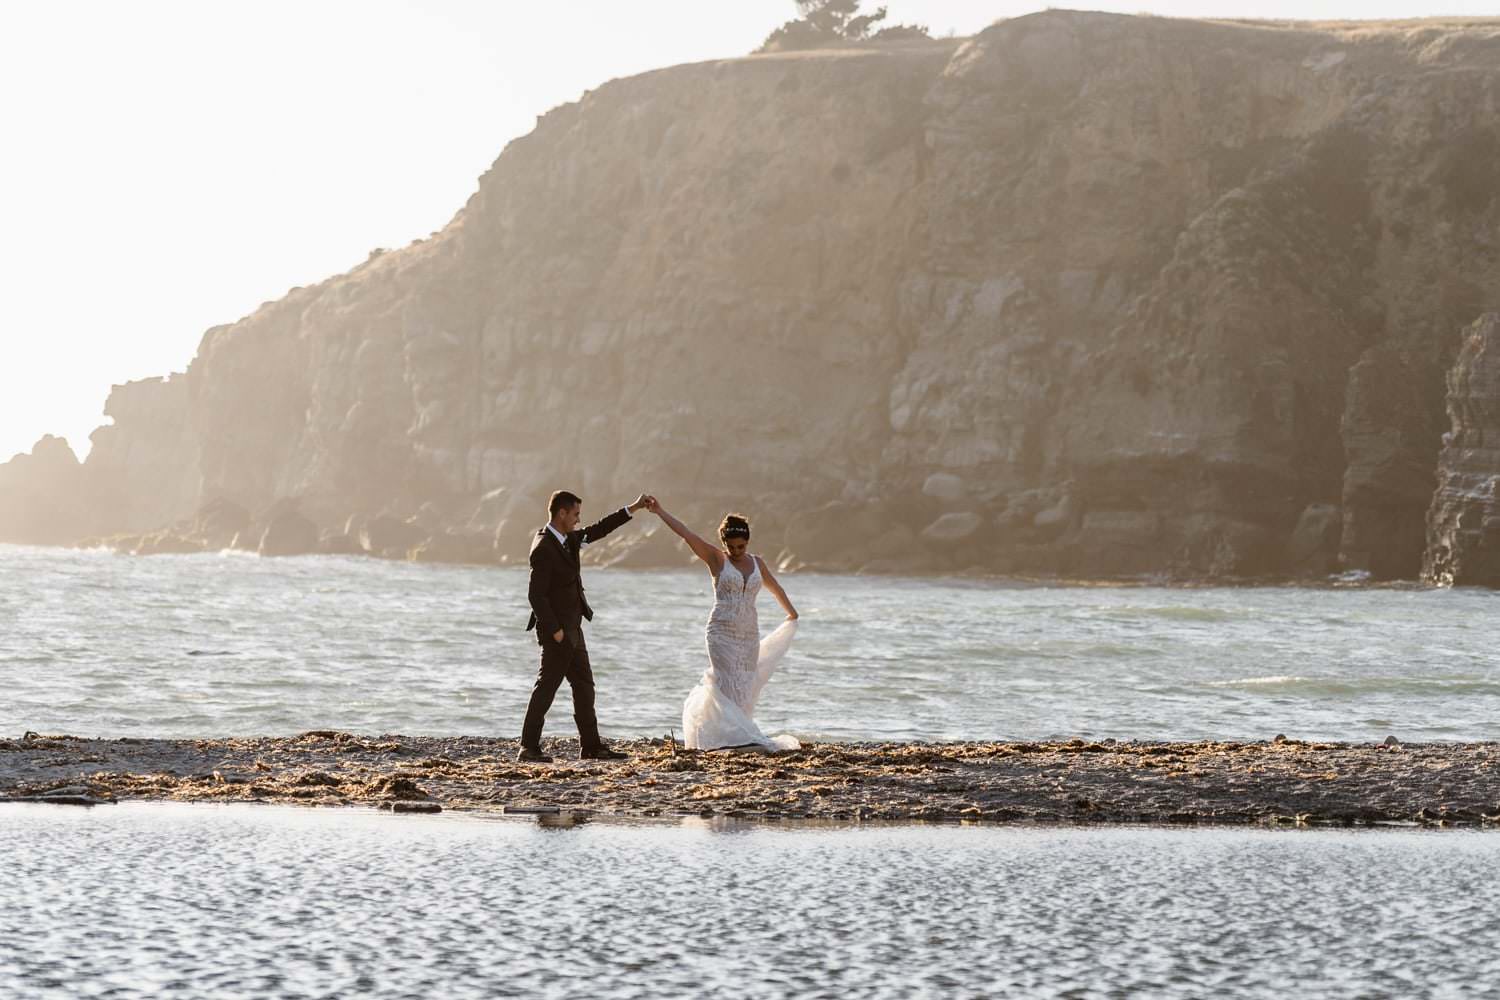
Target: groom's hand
<point>640,501</point>
<point>558,635</point>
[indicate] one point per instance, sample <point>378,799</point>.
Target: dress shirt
<point>563,539</point>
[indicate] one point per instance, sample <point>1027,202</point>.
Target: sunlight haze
<point>172,165</point>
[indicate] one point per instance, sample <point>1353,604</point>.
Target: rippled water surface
<point>138,901</point>
<point>97,644</point>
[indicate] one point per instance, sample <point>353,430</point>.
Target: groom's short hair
<point>561,499</point>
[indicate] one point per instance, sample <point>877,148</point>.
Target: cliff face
<point>1463,537</point>
<point>1084,294</point>
<point>143,470</point>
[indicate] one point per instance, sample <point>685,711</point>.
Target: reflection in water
<point>236,901</point>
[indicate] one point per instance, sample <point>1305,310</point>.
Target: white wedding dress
<point>719,711</point>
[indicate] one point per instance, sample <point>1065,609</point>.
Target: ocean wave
<point>1276,680</point>
<point>1460,684</point>
<point>1175,613</point>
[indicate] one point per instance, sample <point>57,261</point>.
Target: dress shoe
<point>603,753</point>
<point>533,756</point>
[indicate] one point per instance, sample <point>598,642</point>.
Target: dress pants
<point>570,659</point>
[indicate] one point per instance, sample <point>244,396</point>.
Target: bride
<point>718,712</point>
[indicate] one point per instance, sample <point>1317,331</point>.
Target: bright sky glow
<point>169,165</point>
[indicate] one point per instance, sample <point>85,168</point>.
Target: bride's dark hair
<point>734,526</point>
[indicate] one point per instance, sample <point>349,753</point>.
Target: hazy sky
<point>169,165</point>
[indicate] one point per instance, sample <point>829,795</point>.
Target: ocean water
<point>97,644</point>
<point>147,901</point>
<point>154,900</point>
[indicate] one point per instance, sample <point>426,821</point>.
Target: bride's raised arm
<point>701,549</point>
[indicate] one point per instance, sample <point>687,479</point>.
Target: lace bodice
<point>734,600</point>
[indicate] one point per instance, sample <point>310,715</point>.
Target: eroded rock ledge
<point>1282,781</point>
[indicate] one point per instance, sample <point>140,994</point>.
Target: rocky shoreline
<point>1280,782</point>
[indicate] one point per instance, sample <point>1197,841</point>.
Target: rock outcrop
<point>43,496</point>
<point>1085,294</point>
<point>288,532</point>
<point>1391,426</point>
<point>143,470</point>
<point>1463,526</point>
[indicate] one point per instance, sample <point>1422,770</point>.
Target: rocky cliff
<point>1084,294</point>
<point>1463,535</point>
<point>43,495</point>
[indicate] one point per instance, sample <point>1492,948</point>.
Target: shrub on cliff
<point>828,22</point>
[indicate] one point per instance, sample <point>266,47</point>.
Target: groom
<point>558,609</point>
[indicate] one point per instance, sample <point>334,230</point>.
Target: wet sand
<point>1275,782</point>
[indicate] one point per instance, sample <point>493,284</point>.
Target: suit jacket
<point>556,587</point>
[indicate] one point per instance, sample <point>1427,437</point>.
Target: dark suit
<point>558,604</point>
